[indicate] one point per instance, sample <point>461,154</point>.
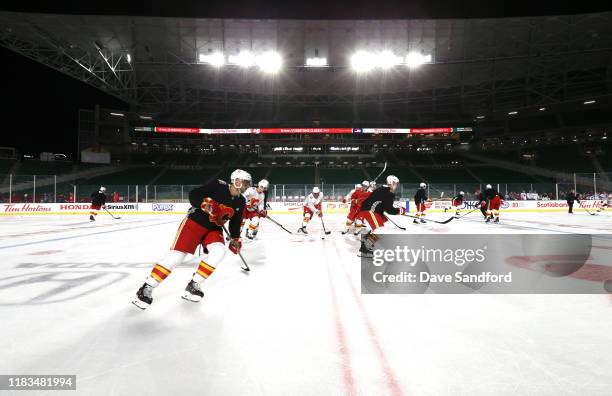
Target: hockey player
<point>365,194</point>
<point>457,202</point>
<point>493,203</point>
<point>373,213</point>
<point>607,204</point>
<point>372,186</point>
<point>255,207</point>
<point>211,206</point>
<point>98,201</point>
<point>356,198</point>
<point>571,197</point>
<point>419,201</point>
<point>313,205</point>
<point>481,202</point>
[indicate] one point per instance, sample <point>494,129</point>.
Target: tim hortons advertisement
<point>25,208</point>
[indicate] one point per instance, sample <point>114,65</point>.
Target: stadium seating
<point>5,166</point>
<point>295,175</point>
<point>341,175</point>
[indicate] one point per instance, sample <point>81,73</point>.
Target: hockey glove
<point>235,245</point>
<point>218,213</point>
<point>263,213</point>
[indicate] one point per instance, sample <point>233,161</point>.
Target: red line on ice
<point>345,356</point>
<point>392,382</point>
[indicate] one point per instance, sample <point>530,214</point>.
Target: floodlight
<point>363,61</point>
<point>387,59</point>
<point>269,62</point>
<point>215,59</point>
<point>415,59</point>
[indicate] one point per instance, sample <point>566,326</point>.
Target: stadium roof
<point>158,65</point>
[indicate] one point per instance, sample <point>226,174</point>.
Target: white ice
<point>295,325</point>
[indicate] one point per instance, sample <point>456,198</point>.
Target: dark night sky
<point>40,106</point>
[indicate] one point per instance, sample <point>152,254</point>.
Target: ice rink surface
<point>295,325</point>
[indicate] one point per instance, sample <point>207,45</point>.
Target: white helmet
<point>488,186</point>
<point>422,185</point>
<point>316,190</point>
<point>461,193</point>
<point>365,183</point>
<point>241,177</point>
<point>102,189</point>
<point>263,183</point>
<point>392,180</point>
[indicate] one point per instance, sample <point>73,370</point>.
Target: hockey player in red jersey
<point>356,198</point>
<point>255,207</point>
<point>212,205</point>
<point>456,203</point>
<point>373,213</point>
<point>313,205</point>
<point>493,203</point>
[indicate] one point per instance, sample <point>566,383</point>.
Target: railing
<point>46,189</point>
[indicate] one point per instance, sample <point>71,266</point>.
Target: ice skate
<point>144,296</point>
<point>193,292</point>
<point>365,252</point>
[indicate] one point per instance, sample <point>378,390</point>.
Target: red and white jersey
<point>254,200</point>
<point>313,203</point>
<point>358,197</point>
<point>351,195</point>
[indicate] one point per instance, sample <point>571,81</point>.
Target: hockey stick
<point>395,224</point>
<point>324,229</point>
<point>589,212</point>
<point>381,172</point>
<point>278,224</point>
<point>433,221</point>
<point>465,214</point>
<point>246,266</point>
<point>114,217</point>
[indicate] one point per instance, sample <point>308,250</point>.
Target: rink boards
<point>20,209</point>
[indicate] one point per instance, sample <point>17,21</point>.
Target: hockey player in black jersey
<point>373,213</point>
<point>481,203</point>
<point>419,200</point>
<point>212,205</point>
<point>98,201</point>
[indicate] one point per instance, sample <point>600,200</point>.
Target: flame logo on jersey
<point>223,214</point>
<point>253,202</point>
